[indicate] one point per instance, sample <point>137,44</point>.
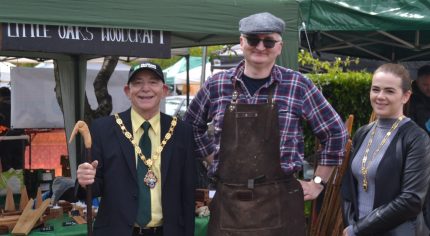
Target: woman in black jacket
<point>385,186</point>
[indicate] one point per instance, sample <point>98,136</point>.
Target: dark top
<point>253,84</point>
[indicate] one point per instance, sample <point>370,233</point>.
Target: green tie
<point>144,204</point>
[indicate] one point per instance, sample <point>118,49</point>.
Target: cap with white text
<point>146,66</point>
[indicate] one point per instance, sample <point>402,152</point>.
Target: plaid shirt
<point>297,98</point>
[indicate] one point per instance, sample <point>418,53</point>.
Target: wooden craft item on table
<point>9,205</point>
<point>67,206</point>
<point>54,212</point>
<point>9,218</point>
<point>8,221</point>
<point>24,198</point>
<point>80,209</point>
<point>79,219</point>
<point>4,230</point>
<point>29,217</point>
<point>38,198</point>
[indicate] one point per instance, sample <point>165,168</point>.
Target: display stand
<point>15,137</point>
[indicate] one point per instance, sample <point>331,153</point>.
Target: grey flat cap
<point>261,23</point>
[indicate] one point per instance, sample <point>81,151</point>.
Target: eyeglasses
<point>267,42</point>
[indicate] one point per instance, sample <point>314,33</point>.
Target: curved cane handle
<point>83,129</point>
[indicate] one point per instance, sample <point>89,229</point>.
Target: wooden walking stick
<point>83,129</point>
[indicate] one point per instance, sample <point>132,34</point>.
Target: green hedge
<point>348,93</point>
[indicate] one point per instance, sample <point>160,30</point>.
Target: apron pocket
<point>246,209</point>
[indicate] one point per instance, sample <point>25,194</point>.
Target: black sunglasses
<point>267,42</point>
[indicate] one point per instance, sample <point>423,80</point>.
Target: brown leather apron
<point>253,195</point>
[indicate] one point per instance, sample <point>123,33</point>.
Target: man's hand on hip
<point>311,190</point>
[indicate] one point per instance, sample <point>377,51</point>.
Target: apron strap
<point>236,93</point>
<point>270,100</point>
<point>273,108</point>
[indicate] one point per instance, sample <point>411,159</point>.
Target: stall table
<point>81,230</point>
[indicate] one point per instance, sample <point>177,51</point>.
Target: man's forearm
<point>324,172</point>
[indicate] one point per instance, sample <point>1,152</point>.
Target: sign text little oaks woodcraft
<point>85,40</point>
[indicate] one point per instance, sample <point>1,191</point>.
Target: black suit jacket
<point>116,178</point>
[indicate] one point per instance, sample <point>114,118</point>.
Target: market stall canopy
<point>187,23</point>
<point>384,30</point>
<point>176,73</point>
<point>194,75</point>
<point>190,22</point>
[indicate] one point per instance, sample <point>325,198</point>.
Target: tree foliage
<point>329,67</point>
<point>194,51</point>
<point>347,91</point>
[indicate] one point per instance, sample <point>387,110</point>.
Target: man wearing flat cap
<point>143,166</point>
<point>257,109</point>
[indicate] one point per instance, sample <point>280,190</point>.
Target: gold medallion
<point>150,179</point>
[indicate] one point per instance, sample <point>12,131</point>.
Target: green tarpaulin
<point>354,15</point>
<point>391,30</point>
<point>192,23</point>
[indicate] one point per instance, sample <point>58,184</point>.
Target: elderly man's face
<point>260,54</point>
<point>145,92</point>
<point>423,83</point>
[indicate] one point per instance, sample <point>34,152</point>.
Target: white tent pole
<point>204,56</point>
<point>187,57</point>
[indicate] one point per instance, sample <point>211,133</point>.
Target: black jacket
<point>402,180</point>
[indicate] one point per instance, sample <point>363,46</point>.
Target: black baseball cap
<point>146,66</point>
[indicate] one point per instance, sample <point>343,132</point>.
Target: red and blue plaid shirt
<point>297,99</point>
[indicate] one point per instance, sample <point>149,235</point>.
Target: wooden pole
<point>83,129</point>
<point>329,220</point>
